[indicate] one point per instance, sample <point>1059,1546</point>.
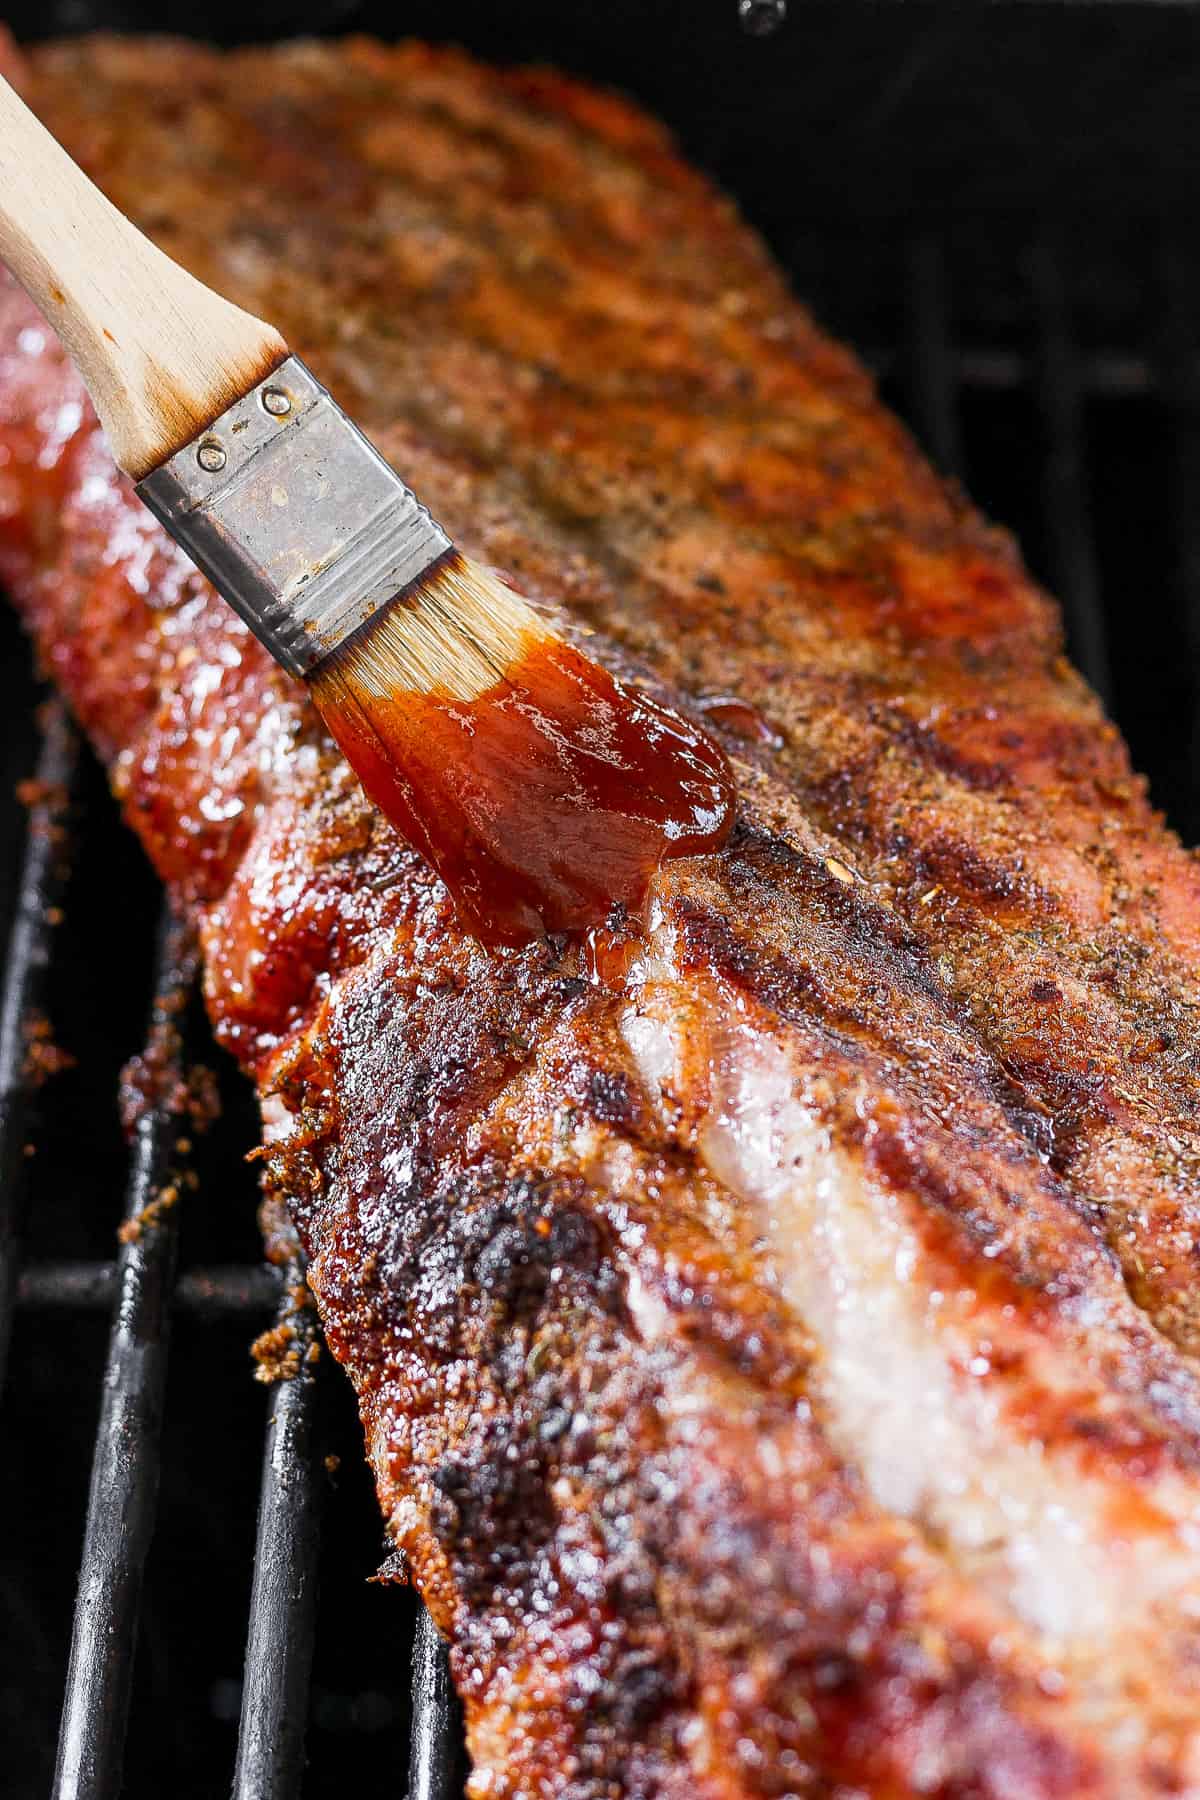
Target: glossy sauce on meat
<point>545,801</point>
<point>740,719</point>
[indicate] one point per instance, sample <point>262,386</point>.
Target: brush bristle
<point>456,632</point>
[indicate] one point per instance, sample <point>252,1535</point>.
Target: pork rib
<point>775,1340</point>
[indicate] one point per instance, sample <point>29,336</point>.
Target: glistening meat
<point>774,1324</point>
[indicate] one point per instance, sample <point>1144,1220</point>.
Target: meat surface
<point>774,1330</point>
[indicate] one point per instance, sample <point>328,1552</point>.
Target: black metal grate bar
<point>993,369</point>
<point>279,1647</point>
<point>437,1765</point>
<point>205,1293</point>
<point>124,1484</point>
<point>40,888</point>
<point>1074,573</point>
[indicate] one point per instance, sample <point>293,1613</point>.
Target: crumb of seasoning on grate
<point>152,1214</point>
<point>46,802</point>
<point>43,1057</point>
<point>276,1354</point>
<point>154,1079</point>
<point>50,794</point>
<point>281,1351</point>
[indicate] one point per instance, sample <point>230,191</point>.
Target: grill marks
<point>658,1297</point>
<point>852,963</point>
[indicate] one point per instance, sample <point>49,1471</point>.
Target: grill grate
<point>39,894</point>
<point>139,1292</point>
<point>1081,448</point>
<point>124,1486</point>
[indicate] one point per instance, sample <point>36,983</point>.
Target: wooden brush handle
<point>161,354</point>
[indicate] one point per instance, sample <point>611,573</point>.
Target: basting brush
<point>543,790</point>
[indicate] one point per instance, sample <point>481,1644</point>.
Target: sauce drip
<point>610,952</point>
<point>740,719</point>
<point>545,800</point>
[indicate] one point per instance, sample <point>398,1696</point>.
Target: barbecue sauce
<point>740,719</point>
<point>611,950</point>
<point>545,800</point>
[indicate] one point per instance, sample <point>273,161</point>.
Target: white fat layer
<point>904,1403</point>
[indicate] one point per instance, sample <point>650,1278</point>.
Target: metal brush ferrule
<point>294,517</point>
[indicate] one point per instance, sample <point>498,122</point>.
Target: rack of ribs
<point>773,1321</point>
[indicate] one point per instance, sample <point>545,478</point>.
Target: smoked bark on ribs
<point>774,1337</point>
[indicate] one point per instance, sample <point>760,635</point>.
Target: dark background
<point>891,107</point>
<point>998,205</point>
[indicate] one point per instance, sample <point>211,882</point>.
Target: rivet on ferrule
<point>211,456</point>
<point>276,402</point>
